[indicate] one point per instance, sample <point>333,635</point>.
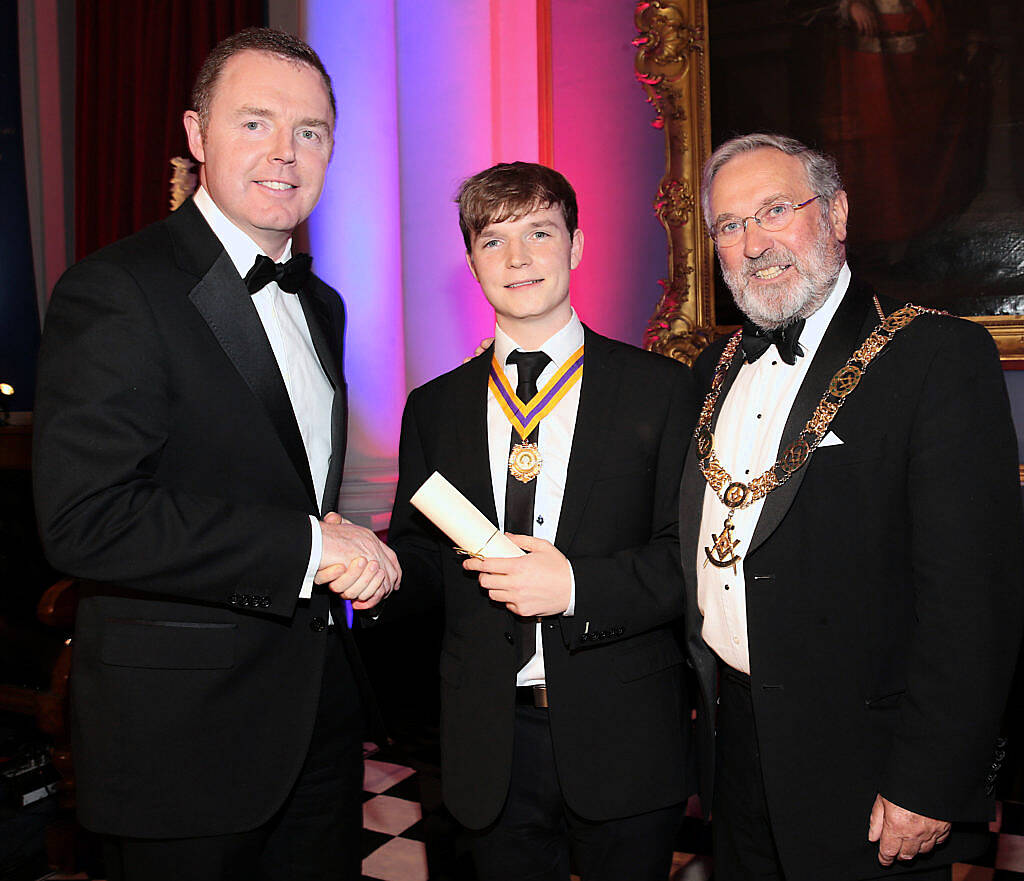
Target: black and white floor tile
<point>403,817</point>
<point>409,836</point>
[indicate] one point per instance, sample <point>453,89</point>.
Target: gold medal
<point>524,462</point>
<point>722,554</point>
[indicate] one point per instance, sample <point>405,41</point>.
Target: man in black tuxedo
<point>190,434</point>
<point>851,540</point>
<point>563,717</point>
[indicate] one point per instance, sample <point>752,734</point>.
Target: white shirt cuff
<point>571,609</point>
<point>316,549</point>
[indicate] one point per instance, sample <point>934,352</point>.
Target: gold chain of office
<point>735,494</point>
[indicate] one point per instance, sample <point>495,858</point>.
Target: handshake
<point>355,563</point>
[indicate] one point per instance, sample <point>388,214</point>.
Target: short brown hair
<point>509,190</point>
<point>279,43</point>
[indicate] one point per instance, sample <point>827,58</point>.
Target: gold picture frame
<point>673,67</point>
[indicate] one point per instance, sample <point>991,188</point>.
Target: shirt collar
<point>814,330</point>
<point>242,250</point>
<point>559,347</point>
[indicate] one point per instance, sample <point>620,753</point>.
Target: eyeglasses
<point>774,217</point>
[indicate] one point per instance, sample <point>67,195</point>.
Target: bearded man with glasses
<point>851,542</point>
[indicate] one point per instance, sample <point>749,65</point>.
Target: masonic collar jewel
<point>722,554</point>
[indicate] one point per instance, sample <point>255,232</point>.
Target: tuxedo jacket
<point>618,709</point>
<point>884,595</point>
<point>169,467</point>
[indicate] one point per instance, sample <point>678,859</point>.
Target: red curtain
<point>135,65</point>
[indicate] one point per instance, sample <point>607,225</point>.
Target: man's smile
<point>276,185</point>
<point>524,283</point>
<point>770,272</point>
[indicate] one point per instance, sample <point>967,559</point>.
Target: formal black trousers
<point>744,848</point>
<point>315,836</point>
<point>537,835</point>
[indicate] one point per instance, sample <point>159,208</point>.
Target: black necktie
<point>756,341</point>
<point>519,496</point>
<point>290,276</point>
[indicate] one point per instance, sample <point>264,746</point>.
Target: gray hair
<point>822,171</point>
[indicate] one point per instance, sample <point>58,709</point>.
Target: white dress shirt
<point>747,438</point>
<point>309,389</point>
<point>555,444</point>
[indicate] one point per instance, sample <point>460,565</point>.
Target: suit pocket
<point>885,701</point>
<point>168,645</point>
<point>649,659</point>
<point>850,453</point>
<point>624,465</point>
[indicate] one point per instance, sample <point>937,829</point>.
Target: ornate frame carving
<point>672,67</point>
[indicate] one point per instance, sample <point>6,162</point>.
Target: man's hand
<point>484,343</point>
<point>902,833</point>
<point>355,564</point>
<point>535,585</point>
<point>864,18</point>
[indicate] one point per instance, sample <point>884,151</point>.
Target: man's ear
<point>576,251</point>
<point>195,135</point>
<point>838,213</point>
<point>472,268</point>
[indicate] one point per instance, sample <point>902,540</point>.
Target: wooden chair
<point>49,707</point>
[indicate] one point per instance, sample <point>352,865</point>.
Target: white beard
<point>773,306</point>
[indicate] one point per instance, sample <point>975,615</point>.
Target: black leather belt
<point>532,696</point>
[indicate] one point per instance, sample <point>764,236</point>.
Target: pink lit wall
<point>604,143</point>
<point>430,92</point>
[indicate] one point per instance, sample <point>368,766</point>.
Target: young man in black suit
<point>564,716</point>
<point>851,539</point>
<point>190,434</point>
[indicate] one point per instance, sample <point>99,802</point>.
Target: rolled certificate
<point>459,519</point>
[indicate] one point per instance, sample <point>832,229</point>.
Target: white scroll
<point>459,519</point>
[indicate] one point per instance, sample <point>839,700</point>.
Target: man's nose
<point>282,148</point>
<point>756,240</point>
<point>518,254</point>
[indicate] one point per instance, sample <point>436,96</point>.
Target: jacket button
<point>317,624</point>
<point>509,638</point>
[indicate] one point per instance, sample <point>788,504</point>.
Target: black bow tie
<point>290,276</point>
<point>756,341</point>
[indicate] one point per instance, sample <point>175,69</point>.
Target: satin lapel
<point>322,332</point>
<point>844,334</point>
<point>327,341</point>
<point>469,413</point>
<point>599,397</point>
<point>691,495</point>
<point>227,308</point>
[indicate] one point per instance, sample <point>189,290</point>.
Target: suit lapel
<point>225,304</point>
<point>322,332</point>
<point>691,502</point>
<point>599,391</point>
<point>327,345</point>
<point>469,413</point>
<point>845,331</point>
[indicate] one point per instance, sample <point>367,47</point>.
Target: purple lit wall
<point>430,92</point>
<point>355,236</point>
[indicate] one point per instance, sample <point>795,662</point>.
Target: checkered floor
<point>408,835</point>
